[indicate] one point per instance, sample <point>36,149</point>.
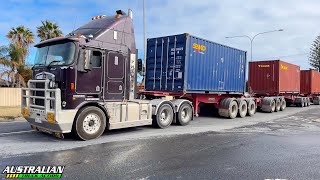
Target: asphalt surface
<point>283,145</point>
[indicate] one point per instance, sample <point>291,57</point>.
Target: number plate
<point>38,120</point>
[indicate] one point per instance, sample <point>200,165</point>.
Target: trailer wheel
<point>229,108</point>
<point>243,108</point>
<point>273,106</point>
<point>278,105</point>
<point>308,101</point>
<point>303,102</point>
<point>185,114</point>
<point>233,110</point>
<point>251,108</point>
<point>164,116</point>
<point>283,105</point>
<point>90,123</point>
<point>316,100</point>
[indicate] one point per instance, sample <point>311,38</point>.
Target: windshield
<point>57,54</point>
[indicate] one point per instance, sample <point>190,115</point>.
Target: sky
<point>209,19</point>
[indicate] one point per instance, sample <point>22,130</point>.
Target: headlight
<point>51,84</point>
<point>64,104</point>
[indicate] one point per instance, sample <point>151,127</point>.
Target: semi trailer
<point>280,78</point>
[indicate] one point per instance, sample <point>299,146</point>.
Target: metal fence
<point>10,97</point>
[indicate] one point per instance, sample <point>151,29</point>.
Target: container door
<point>263,77</point>
<point>165,64</point>
<point>115,77</point>
<point>84,80</point>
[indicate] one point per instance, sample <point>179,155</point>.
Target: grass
<point>9,113</point>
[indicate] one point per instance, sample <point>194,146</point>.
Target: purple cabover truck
<point>85,83</point>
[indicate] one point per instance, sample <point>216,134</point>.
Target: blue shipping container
<point>188,64</point>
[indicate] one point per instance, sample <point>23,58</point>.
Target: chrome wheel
<point>91,123</point>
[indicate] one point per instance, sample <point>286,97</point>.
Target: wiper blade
<point>49,65</point>
<point>37,65</point>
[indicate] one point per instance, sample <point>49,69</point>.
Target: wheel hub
<point>91,123</point>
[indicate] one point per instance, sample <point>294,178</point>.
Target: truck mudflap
<point>41,107</point>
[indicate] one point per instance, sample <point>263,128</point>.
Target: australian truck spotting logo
<point>33,172</point>
<point>201,49</point>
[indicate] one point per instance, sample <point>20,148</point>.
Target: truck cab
<point>86,82</point>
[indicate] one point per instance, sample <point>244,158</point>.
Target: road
<point>283,145</point>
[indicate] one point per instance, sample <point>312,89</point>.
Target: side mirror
<point>84,64</point>
<point>87,59</point>
<point>139,65</point>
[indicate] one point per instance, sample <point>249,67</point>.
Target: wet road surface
<point>284,148</point>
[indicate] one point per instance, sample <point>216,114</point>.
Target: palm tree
<point>14,70</point>
<point>48,30</point>
<point>23,38</point>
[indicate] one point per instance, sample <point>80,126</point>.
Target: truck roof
<point>98,26</point>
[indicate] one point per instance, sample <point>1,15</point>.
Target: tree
<point>48,30</point>
<point>314,57</point>
<point>17,73</point>
<point>22,38</point>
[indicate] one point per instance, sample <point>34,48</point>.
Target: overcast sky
<point>209,19</point>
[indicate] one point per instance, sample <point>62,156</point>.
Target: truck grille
<point>39,96</point>
<point>39,85</point>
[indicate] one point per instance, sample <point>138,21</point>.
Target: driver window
<point>96,59</point>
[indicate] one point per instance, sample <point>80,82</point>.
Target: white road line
<point>18,132</point>
<point>12,122</point>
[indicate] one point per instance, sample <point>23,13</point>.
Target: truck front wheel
<point>90,123</point>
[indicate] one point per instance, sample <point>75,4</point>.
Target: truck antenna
<point>74,24</point>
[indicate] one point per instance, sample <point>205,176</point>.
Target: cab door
<point>90,82</point>
<point>115,77</point>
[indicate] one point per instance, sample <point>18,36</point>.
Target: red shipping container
<point>310,82</point>
<point>274,77</point>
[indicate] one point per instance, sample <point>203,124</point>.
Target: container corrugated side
<point>214,67</point>
<point>185,63</point>
<point>274,77</point>
<point>310,82</point>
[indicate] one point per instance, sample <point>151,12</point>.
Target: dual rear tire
<point>165,115</point>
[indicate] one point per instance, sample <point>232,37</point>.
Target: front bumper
<point>49,115</point>
<point>64,125</point>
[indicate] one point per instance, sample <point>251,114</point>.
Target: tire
<point>251,108</point>
<point>243,108</point>
<point>185,114</point>
<point>278,105</point>
<point>233,110</point>
<point>308,102</point>
<point>283,105</point>
<point>90,123</point>
<point>164,116</point>
<point>228,108</point>
<point>273,106</point>
<point>303,102</point>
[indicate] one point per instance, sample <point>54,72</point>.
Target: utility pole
<point>144,43</point>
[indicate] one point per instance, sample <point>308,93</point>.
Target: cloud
<point>210,19</point>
